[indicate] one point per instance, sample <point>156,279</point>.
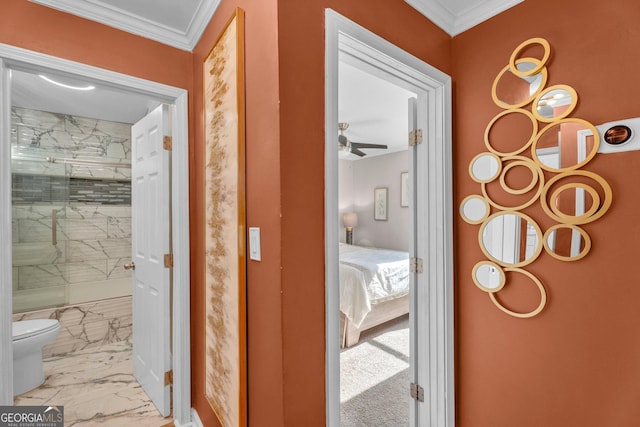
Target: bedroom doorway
<point>388,234</point>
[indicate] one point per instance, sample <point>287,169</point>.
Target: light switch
<point>254,243</point>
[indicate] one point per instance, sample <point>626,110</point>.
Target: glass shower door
<point>40,197</point>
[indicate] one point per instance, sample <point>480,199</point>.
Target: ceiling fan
<point>353,147</point>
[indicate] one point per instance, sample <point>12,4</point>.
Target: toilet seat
<point>28,328</point>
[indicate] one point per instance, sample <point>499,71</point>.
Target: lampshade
<point>350,219</point>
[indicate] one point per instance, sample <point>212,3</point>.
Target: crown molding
<point>454,23</point>
<point>472,16</point>
<point>436,13</point>
<point>135,24</point>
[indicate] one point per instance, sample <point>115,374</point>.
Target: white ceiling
<point>28,90</point>
<point>457,16</point>
<point>177,23</point>
<point>376,110</point>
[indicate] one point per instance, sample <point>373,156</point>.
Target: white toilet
<point>28,338</point>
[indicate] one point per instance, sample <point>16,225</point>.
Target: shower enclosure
<point>71,209</point>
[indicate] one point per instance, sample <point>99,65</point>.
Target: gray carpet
<point>374,378</point>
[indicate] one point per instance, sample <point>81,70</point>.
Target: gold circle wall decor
<point>499,232</point>
<point>550,99</point>
<point>513,60</point>
<point>532,199</point>
<point>534,131</point>
<point>488,276</point>
<point>554,201</point>
<point>485,167</point>
<point>536,173</point>
<point>525,93</point>
<point>474,209</point>
<point>534,279</point>
<point>588,129</point>
<point>584,244</point>
<point>566,219</point>
<point>510,239</point>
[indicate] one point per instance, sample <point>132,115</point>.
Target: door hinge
<point>168,378</point>
<point>415,265</point>
<point>167,143</point>
<point>417,392</point>
<point>168,260</point>
<point>415,137</point>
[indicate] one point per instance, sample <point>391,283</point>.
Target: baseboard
<point>195,419</point>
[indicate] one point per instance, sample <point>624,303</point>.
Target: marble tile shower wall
<point>62,243</point>
<point>36,135</point>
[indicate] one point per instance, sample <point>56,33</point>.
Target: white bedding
<point>370,276</point>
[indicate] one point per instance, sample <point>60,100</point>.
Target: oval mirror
<point>512,91</point>
<point>511,239</point>
<point>567,242</point>
<point>554,103</point>
<point>580,142</point>
<point>485,167</point>
<point>488,276</point>
<point>474,209</point>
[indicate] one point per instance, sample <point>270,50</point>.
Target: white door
<point>150,227</point>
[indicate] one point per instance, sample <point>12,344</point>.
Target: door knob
<point>130,266</point>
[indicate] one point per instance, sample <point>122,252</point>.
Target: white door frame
<point>14,57</point>
<point>346,41</point>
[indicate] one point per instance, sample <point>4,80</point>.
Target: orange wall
<point>264,304</point>
<point>42,29</point>
<point>285,191</point>
<point>301,45</point>
<point>576,364</point>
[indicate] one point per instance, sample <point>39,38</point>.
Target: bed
<point>374,288</point>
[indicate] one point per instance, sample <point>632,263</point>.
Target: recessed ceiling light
<point>88,87</point>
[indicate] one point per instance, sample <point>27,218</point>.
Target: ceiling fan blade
<point>357,152</point>
<point>365,145</point>
<point>342,139</point>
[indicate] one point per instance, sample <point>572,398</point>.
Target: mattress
<point>370,276</point>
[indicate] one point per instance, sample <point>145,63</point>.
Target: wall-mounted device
<point>619,136</point>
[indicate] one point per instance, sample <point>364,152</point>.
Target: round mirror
<point>511,128</point>
<point>511,239</point>
<point>485,167</point>
<point>488,276</point>
<point>512,91</point>
<point>474,209</point>
<point>588,202</point>
<point>525,45</point>
<point>567,242</point>
<point>565,145</point>
<point>554,103</point>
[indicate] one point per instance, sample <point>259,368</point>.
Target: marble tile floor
<point>97,388</point>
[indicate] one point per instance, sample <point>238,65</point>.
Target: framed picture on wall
<point>380,204</point>
<point>224,202</point>
<point>404,189</point>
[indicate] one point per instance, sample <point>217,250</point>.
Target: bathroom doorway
<point>84,211</point>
